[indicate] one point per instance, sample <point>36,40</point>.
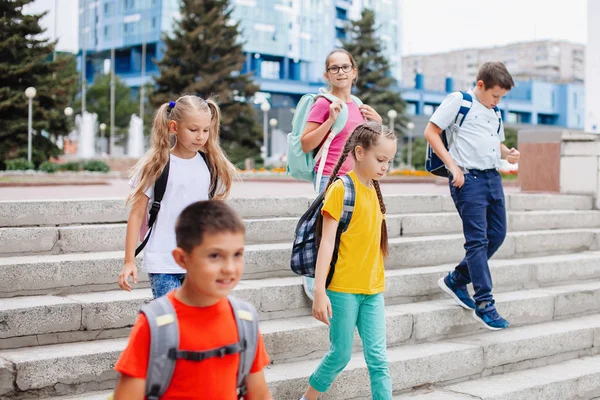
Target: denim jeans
<point>367,313</point>
<point>162,284</point>
<point>481,206</point>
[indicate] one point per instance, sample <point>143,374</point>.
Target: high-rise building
<point>592,79</point>
<point>548,61</point>
<point>286,41</point>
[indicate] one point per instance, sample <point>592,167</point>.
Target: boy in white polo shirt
<point>475,184</point>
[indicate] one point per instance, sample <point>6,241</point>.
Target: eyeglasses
<point>335,69</point>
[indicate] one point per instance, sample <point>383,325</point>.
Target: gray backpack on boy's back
<point>164,345</point>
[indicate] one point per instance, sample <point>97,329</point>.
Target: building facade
<point>547,61</point>
<point>592,78</point>
<point>286,41</point>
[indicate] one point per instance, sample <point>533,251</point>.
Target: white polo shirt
<point>477,143</point>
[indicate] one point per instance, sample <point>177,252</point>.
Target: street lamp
<point>68,111</point>
<point>102,130</point>
<point>410,126</point>
<point>392,114</point>
<point>273,125</point>
<point>265,107</point>
<point>30,94</point>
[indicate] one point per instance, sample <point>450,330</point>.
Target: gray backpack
<point>164,345</point>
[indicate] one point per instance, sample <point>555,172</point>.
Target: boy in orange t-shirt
<point>210,247</point>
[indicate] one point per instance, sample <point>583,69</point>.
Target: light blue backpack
<point>301,165</point>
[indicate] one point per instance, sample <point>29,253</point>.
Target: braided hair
<point>365,135</point>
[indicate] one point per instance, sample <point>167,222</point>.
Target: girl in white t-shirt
<point>197,168</point>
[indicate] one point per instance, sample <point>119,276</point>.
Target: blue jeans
<point>481,206</point>
<point>322,184</point>
<point>367,313</point>
<point>162,284</point>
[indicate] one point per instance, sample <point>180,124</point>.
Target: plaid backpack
<point>305,247</point>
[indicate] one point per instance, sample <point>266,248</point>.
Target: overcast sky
<point>429,25</point>
<point>432,26</point>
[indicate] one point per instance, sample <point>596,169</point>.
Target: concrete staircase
<point>63,321</point>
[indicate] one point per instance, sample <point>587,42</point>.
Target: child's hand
<point>129,269</point>
<point>458,178</point>
<point>513,156</point>
<point>321,309</point>
<point>334,110</point>
<point>369,113</point>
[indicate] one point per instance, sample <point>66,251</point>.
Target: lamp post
<point>410,126</point>
<point>265,107</point>
<point>102,130</point>
<point>273,125</point>
<point>392,114</point>
<point>68,112</point>
<point>30,94</point>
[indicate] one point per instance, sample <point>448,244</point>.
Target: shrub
<point>48,166</point>
<point>70,166</point>
<point>96,166</point>
<point>19,164</point>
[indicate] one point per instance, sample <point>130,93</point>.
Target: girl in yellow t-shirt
<point>354,298</point>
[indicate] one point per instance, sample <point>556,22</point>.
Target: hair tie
<point>171,106</point>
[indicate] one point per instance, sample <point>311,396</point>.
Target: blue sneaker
<point>309,287</point>
<point>489,317</point>
<point>460,295</point>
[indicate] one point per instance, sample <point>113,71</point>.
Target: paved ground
<point>120,188</point>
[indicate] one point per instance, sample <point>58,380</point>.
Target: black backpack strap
<point>160,187</point>
<point>246,319</point>
<point>164,339</point>
<point>213,176</point>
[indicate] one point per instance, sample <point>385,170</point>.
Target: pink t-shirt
<point>319,114</point>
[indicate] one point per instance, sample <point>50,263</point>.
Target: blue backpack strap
<point>164,340</point>
<point>499,115</point>
<point>465,107</point>
<point>344,223</point>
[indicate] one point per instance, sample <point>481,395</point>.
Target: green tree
<point>375,85</point>
<point>26,60</point>
<point>510,137</point>
<point>204,57</point>
<point>98,101</point>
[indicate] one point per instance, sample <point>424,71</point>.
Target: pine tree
<point>375,85</point>
<point>204,57</point>
<point>26,60</point>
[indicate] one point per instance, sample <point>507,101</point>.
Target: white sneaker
<point>309,288</point>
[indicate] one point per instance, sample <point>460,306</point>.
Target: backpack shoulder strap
<point>499,115</point>
<point>465,107</point>
<point>160,187</point>
<point>349,200</point>
<point>164,340</point>
<point>356,100</point>
<point>246,319</point>
<point>213,176</point>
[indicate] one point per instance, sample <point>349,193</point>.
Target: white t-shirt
<point>189,182</point>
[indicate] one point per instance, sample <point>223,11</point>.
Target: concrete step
<point>101,395</point>
<point>69,212</point>
<point>68,273</point>
<point>77,317</point>
<point>39,320</point>
<point>568,380</point>
<point>75,368</point>
<point>111,237</point>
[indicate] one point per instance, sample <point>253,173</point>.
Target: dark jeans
<point>481,206</point>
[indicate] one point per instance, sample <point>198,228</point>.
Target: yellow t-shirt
<point>359,268</point>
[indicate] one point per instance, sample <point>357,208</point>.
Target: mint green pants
<point>367,313</point>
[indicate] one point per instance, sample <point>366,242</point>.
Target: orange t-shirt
<point>200,328</point>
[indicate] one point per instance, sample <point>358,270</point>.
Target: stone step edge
<point>300,370</point>
<point>548,382</point>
